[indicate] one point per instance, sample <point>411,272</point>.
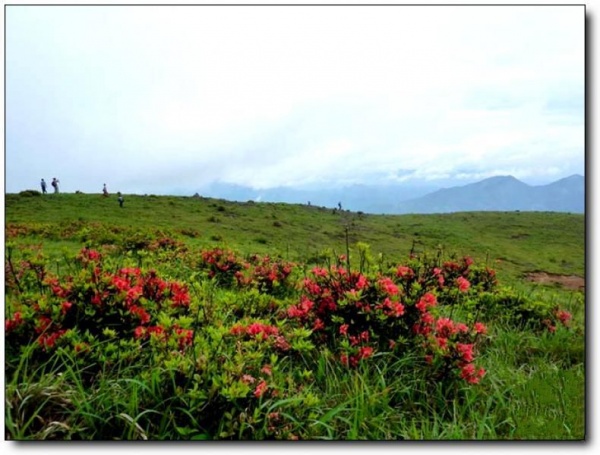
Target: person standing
<point>104,190</point>
<point>54,184</point>
<point>121,200</point>
<point>43,183</point>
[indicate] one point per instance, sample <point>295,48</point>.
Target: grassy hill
<point>511,242</point>
<point>139,338</point>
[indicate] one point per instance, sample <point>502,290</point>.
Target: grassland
<point>534,388</point>
<point>511,242</point>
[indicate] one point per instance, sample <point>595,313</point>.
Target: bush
<point>30,193</point>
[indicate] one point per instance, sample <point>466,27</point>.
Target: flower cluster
<point>127,300</point>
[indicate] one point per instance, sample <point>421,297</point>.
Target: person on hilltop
<point>104,191</point>
<point>54,184</point>
<point>121,200</point>
<point>43,183</point>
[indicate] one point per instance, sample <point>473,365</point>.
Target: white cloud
<point>169,97</point>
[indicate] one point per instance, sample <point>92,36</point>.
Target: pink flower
<point>445,327</point>
<point>319,271</point>
<point>365,352</point>
<point>248,379</point>
<point>388,286</point>
<point>344,329</point>
<point>398,309</point>
<point>480,328</point>
<point>405,272</point>
<point>65,307</point>
<point>267,369</point>
<point>460,327</point>
<point>442,342</point>
<point>318,325</point>
<point>564,317</point>
<point>260,389</point>
<point>463,284</point>
<point>469,374</point>
<point>466,351</point>
<point>427,301</point>
<point>361,283</point>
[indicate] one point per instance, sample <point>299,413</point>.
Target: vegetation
<point>191,318</point>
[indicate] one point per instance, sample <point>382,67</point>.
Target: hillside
<point>502,193</point>
<point>492,194</point>
<point>512,242</point>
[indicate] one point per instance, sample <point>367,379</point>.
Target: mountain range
<point>501,193</point>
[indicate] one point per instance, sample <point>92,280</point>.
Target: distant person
<point>43,183</point>
<point>340,205</point>
<point>121,200</point>
<point>104,191</point>
<point>54,184</point>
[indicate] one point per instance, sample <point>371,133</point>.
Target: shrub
<point>30,193</point>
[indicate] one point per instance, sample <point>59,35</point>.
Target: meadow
<point>189,318</point>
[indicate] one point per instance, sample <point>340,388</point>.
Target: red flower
<point>11,324</point>
<point>469,374</point>
<point>134,293</point>
<point>248,379</point>
<point>405,272</point>
<point>180,296</point>
<point>267,369</point>
<point>388,286</point>
<point>139,332</point>
<point>185,337</point>
<point>466,351</point>
<point>140,313</point>
<point>442,342</point>
<point>318,325</point>
<point>122,284</point>
<point>260,389</point>
<point>445,327</point>
<point>344,329</point>
<point>463,284</point>
<point>319,271</point>
<point>361,283</point>
<point>564,317</point>
<point>460,327</point>
<point>65,307</point>
<point>480,328</point>
<point>365,352</point>
<point>427,301</point>
<point>397,309</point>
<point>312,287</point>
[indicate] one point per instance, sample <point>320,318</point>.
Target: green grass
<point>534,386</point>
<point>511,242</point>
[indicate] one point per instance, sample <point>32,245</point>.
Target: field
<point>194,318</point>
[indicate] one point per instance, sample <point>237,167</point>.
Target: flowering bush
<point>99,305</point>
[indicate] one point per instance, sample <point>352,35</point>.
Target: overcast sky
<point>168,99</point>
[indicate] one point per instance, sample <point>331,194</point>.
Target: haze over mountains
<point>501,193</point>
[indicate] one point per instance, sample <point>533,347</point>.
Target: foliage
<point>113,346</point>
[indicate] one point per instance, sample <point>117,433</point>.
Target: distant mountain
<point>504,193</point>
<point>365,198</point>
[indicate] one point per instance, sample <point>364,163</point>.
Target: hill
<point>502,193</point>
<point>496,193</point>
<point>511,242</point>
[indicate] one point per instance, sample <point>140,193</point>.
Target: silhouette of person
<point>43,183</point>
<point>121,200</point>
<point>104,190</point>
<point>54,184</point>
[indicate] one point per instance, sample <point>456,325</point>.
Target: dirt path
<point>567,281</point>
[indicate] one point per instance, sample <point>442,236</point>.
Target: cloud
<point>153,99</point>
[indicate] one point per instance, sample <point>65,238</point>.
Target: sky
<point>170,99</point>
